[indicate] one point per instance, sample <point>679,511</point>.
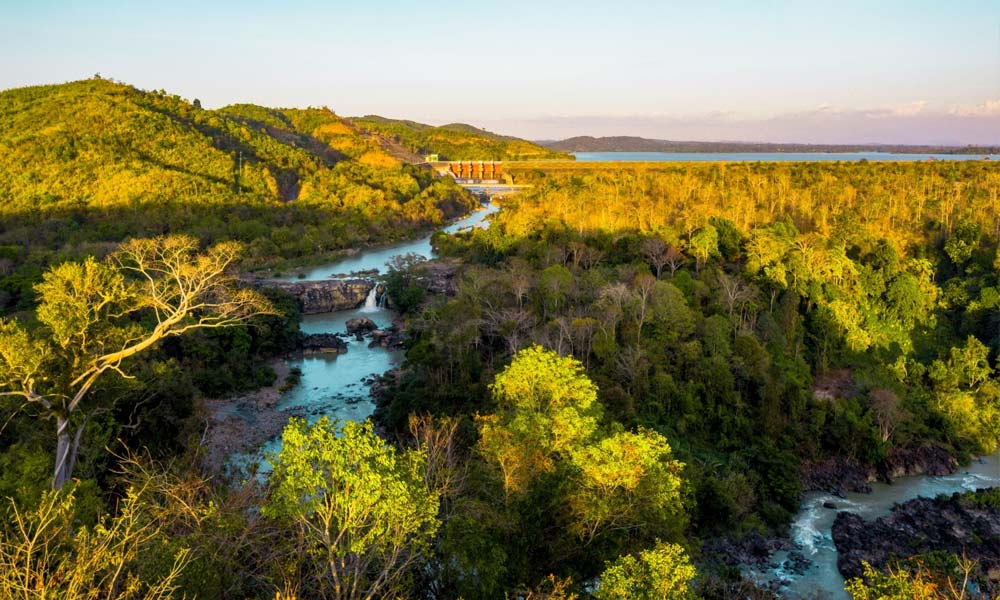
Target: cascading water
<point>371,301</point>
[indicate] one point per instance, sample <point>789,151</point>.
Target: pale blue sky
<point>892,71</point>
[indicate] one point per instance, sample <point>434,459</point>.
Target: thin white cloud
<point>990,108</point>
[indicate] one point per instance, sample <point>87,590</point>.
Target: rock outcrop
<point>360,326</point>
<point>959,524</point>
<point>323,343</point>
<point>920,460</point>
<point>330,295</point>
<point>839,475</point>
<point>391,339</point>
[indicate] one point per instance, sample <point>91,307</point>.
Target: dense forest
<point>624,143</point>
<point>456,141</point>
<point>633,365</point>
<point>763,318</point>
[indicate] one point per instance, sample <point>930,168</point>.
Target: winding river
<point>335,386</point>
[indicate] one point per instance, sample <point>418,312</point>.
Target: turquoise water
<point>376,257</point>
<point>811,528</point>
<point>333,385</point>
<point>765,156</point>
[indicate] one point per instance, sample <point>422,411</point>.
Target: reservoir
<point>769,156</point>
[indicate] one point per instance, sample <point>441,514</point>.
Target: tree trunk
<point>66,451</point>
<point>63,469</point>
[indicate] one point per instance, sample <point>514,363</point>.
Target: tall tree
<point>96,316</point>
<point>367,509</point>
<point>546,409</point>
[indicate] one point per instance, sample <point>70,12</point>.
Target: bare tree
<point>733,292</point>
<point>645,284</point>
<point>87,312</point>
<point>674,259</point>
<point>888,413</point>
<point>655,251</point>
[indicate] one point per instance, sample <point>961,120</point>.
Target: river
<point>334,386</point>
<point>767,156</point>
<point>811,528</point>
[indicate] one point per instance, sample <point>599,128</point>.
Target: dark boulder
<point>360,326</point>
<point>323,343</point>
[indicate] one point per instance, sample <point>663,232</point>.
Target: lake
<point>766,156</point>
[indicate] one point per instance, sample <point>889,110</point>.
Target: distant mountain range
<point>455,141</point>
<point>639,144</point>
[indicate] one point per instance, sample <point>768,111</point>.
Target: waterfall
<point>371,301</point>
<point>381,298</point>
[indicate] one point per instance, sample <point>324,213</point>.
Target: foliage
<point>902,584</point>
<point>546,410</point>
<point>364,507</point>
<point>44,555</point>
<point>660,573</point>
<point>90,317</point>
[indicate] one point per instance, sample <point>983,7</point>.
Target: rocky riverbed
<point>964,524</point>
<point>244,423</point>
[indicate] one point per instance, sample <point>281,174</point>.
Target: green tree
<point>364,506</point>
<point>703,245</point>
<point>546,409</point>
<point>625,482</point>
<point>662,573</point>
<point>95,316</point>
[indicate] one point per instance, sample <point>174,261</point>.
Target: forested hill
<point>93,162</point>
<point>587,143</point>
<point>108,142</point>
<point>456,141</point>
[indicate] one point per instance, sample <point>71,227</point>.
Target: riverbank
<point>840,475</point>
<point>336,367</point>
<point>810,534</point>
<point>966,525</point>
<point>243,423</point>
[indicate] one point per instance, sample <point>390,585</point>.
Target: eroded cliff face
<point>325,296</point>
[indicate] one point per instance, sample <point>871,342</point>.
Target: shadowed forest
<point>634,368</point>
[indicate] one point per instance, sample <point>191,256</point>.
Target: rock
<point>963,524</point>
<point>322,343</point>
<point>359,326</point>
<point>386,338</point>
<point>918,460</point>
<point>797,563</point>
<point>830,505</point>
<point>753,550</point>
<point>835,475</point>
<point>324,296</point>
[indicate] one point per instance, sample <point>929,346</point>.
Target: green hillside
<point>95,161</point>
<point>456,141</point>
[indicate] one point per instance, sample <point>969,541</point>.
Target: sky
<point>888,71</point>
